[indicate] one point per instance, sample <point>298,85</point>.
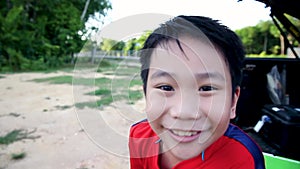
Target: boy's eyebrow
<point>160,73</point>
<point>206,75</point>
<point>210,75</point>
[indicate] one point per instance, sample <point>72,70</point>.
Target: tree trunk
<point>85,9</point>
<point>282,45</point>
<point>266,43</point>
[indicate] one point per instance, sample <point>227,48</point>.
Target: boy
<point>191,72</point>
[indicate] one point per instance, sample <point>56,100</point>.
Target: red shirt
<point>234,150</point>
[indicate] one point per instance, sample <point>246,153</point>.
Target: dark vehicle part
<point>284,122</point>
<point>275,132</point>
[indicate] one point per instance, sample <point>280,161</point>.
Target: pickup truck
<point>269,105</point>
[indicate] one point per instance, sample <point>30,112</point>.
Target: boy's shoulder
<point>144,121</point>
<point>141,129</point>
<point>142,142</point>
<point>237,134</point>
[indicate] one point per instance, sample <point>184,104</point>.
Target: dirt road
<point>63,137</point>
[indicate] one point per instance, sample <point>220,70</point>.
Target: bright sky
<point>231,13</point>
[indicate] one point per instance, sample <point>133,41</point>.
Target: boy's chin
<point>183,153</point>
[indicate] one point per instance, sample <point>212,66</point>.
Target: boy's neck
<point>167,160</point>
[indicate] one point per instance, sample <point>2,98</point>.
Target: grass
<point>108,95</point>
<point>70,80</point>
<point>56,80</point>
<point>11,137</point>
<point>101,92</point>
<point>265,56</point>
<point>110,90</point>
<point>18,156</point>
<point>82,105</point>
<point>15,135</point>
<point>134,96</point>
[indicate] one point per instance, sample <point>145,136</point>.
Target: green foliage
<point>35,33</point>
<point>111,45</point>
<point>265,38</point>
<point>141,40</point>
<point>255,39</point>
<point>130,45</point>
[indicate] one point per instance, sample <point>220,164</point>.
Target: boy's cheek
<point>155,105</point>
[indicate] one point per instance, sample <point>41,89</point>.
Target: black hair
<point>219,35</point>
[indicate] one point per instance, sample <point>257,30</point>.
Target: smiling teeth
<point>184,133</point>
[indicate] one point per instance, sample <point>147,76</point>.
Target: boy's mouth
<point>184,136</point>
<point>182,133</point>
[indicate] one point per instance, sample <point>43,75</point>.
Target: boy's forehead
<point>191,56</point>
<point>187,49</point>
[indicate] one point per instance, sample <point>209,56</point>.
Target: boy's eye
<point>166,88</point>
<point>207,88</point>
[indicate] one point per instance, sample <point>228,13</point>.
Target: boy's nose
<point>187,107</point>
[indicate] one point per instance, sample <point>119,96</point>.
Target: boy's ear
<point>235,99</point>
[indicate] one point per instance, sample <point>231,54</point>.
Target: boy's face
<point>189,97</point>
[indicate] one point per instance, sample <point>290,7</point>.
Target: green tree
<point>130,46</point>
<point>141,40</point>
<point>43,32</point>
<point>290,37</point>
<point>265,37</point>
<point>10,51</point>
<point>127,47</point>
<point>108,45</point>
<point>250,38</point>
<point>262,38</point>
<point>269,33</point>
<point>284,43</point>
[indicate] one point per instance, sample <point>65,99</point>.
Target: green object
<point>277,162</point>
